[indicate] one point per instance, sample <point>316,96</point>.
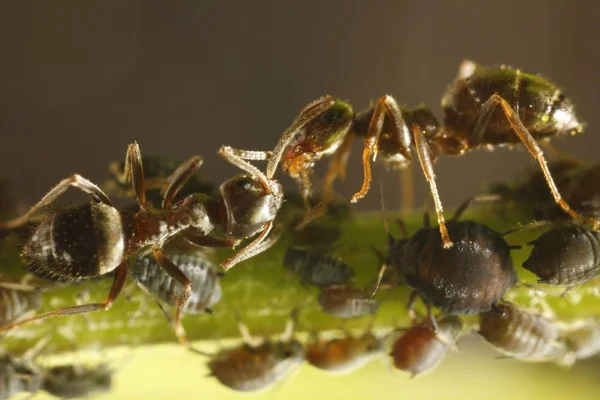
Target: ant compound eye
<point>244,184</point>
<point>331,115</point>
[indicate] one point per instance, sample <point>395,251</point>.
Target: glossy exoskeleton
<point>566,255</point>
<point>317,269</point>
<point>89,240</point>
<point>257,364</point>
<point>346,302</point>
<point>77,381</point>
<point>523,335</point>
<point>343,355</point>
<point>469,278</point>
<point>483,108</point>
<point>422,347</point>
<point>195,264</point>
<point>17,301</point>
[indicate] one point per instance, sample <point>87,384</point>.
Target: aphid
<point>203,276</point>
<point>77,381</point>
<point>316,268</point>
<point>343,355</point>
<point>566,255</point>
<point>583,341</point>
<point>17,301</point>
<point>157,174</point>
<point>469,278</point>
<point>522,335</point>
<point>17,376</point>
<point>422,347</point>
<point>89,240</point>
<point>257,364</point>
<point>346,302</point>
<point>483,108</point>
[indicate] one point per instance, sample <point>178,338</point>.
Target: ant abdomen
<point>568,255</point>
<point>466,279</point>
<point>523,335</point>
<point>206,290</point>
<point>78,242</point>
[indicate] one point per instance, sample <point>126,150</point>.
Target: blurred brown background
<point>81,80</point>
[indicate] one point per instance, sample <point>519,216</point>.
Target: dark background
<point>81,80</point>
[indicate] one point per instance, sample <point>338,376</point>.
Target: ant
<point>483,108</point>
<point>85,241</point>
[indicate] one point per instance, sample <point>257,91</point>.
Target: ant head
<point>249,204</point>
<point>425,120</point>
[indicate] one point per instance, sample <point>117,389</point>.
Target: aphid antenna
<point>386,228</point>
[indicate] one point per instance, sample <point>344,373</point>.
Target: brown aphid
<point>421,348</point>
<point>565,255</point>
<point>257,364</point>
<point>483,108</point>
<point>523,335</point>
<point>346,302</point>
<point>343,355</point>
<point>317,269</point>
<point>86,241</point>
<point>76,381</point>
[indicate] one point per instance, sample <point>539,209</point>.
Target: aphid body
<point>420,348</point>
<point>17,376</point>
<point>16,302</point>
<point>584,341</point>
<point>565,255</point>
<point>343,355</point>
<point>468,278</point>
<point>522,335</point>
<point>77,381</point>
<point>346,302</point>
<point>317,269</point>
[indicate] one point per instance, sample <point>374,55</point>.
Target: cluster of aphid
<point>461,267</point>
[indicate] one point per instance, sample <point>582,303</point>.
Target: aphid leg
<point>258,245</point>
<point>115,289</point>
<point>432,319</point>
<point>179,178</point>
<point>497,310</point>
<point>75,180</point>
<point>385,106</point>
<point>402,227</point>
<point>134,170</point>
<point>532,225</point>
<point>36,350</point>
<point>424,155</point>
<point>174,272</point>
<point>245,332</point>
<point>486,112</point>
<point>290,326</point>
<point>236,157</point>
<point>337,168</point>
<point>156,301</point>
<point>474,199</point>
<point>382,270</point>
<point>310,112</point>
<point>412,315</point>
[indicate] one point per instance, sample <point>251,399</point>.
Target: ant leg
<point>134,172</point>
<point>386,105</point>
<point>236,157</point>
<point>474,199</point>
<point>424,154</point>
<point>486,112</point>
<point>179,178</point>
<point>210,241</point>
<point>309,113</point>
<point>75,180</point>
<point>337,168</point>
<point>174,272</point>
<point>258,245</point>
<point>115,289</point>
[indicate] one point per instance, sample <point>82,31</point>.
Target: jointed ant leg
<point>115,289</point>
<point>174,272</point>
<point>424,155</point>
<point>258,245</point>
<point>209,241</point>
<point>75,180</point>
<point>306,115</point>
<point>386,106</point>
<point>179,178</point>
<point>134,170</point>
<point>532,147</point>
<point>236,158</point>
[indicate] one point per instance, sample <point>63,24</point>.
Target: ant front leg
<point>115,289</point>
<point>257,246</point>
<point>179,178</point>
<point>485,114</point>
<point>424,154</point>
<point>75,180</point>
<point>174,272</point>
<point>386,106</point>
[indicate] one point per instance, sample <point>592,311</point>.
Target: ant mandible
<point>483,107</point>
<point>84,241</point>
